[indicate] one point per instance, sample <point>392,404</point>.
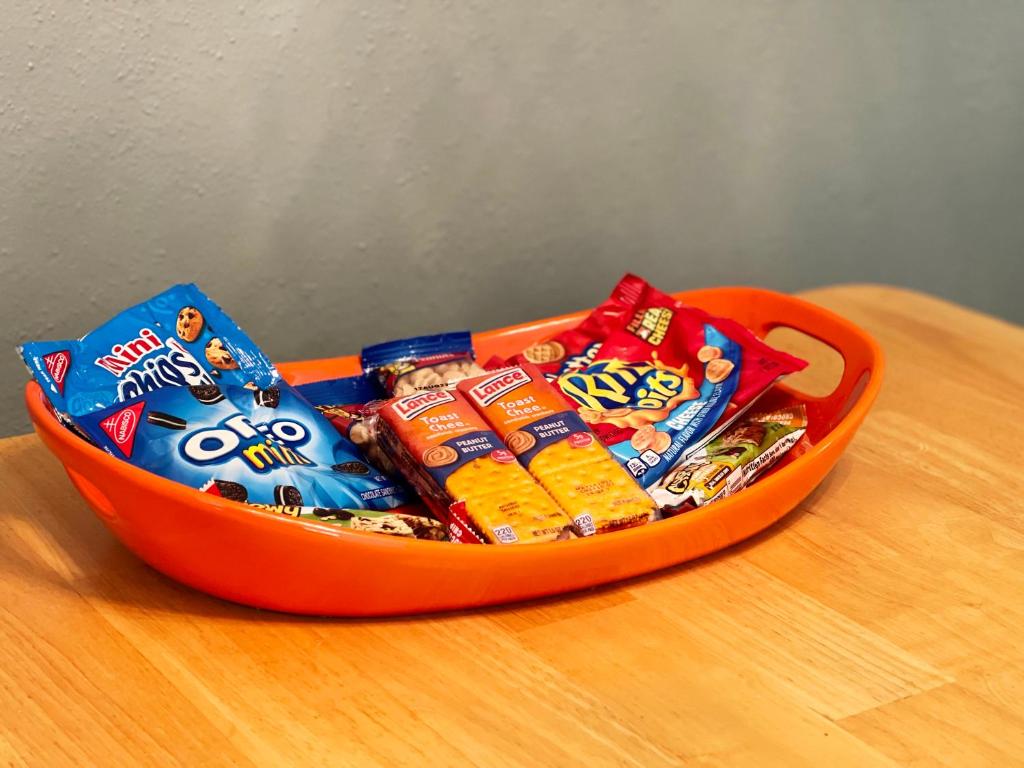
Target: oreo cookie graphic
<point>287,496</point>
<point>165,420</point>
<point>267,398</point>
<point>230,490</point>
<point>351,468</point>
<point>332,514</point>
<point>207,394</point>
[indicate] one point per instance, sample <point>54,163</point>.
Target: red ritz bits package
<point>662,327</point>
<point>664,376</point>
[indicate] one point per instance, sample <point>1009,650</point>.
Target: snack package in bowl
<point>388,523</point>
<point>665,377</point>
<point>174,386</point>
<point>464,473</point>
<point>405,366</point>
<point>177,338</point>
<point>731,461</point>
<point>346,403</point>
<point>558,449</point>
<point>262,446</point>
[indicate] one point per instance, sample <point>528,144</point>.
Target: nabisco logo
<point>121,427</point>
<point>57,366</point>
<point>490,389</point>
<point>412,406</point>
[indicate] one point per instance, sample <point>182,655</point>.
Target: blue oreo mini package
<point>255,445</point>
<point>177,338</point>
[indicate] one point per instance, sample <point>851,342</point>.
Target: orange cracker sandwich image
<point>464,472</point>
<point>558,449</point>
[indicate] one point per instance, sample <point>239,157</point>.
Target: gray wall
<point>341,172</point>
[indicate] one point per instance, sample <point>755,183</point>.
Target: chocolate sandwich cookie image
<point>351,468</point>
<point>207,394</point>
<point>189,324</point>
<point>165,420</point>
<point>287,496</point>
<point>322,513</point>
<point>267,398</point>
<point>228,489</point>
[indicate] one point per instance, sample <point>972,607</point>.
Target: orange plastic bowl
<point>280,563</point>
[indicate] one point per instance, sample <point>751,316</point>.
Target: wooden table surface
<point>880,623</point>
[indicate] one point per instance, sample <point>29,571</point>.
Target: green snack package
<point>731,461</point>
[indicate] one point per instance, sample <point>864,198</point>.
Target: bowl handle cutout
<point>826,366</point>
<point>843,359</point>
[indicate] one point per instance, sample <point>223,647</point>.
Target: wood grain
<point>877,625</point>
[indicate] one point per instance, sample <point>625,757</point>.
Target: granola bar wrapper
<point>731,461</point>
<point>388,523</point>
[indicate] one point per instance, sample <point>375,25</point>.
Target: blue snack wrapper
<point>257,445</point>
<point>350,390</point>
<point>177,338</point>
<point>417,347</point>
<point>344,402</point>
